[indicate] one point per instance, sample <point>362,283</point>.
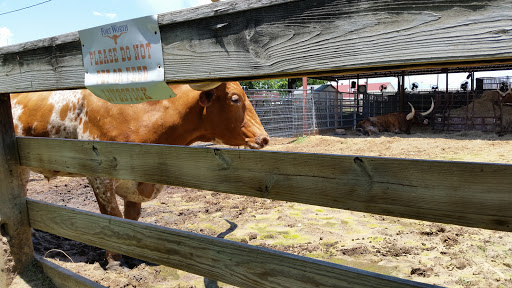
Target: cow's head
<point>506,97</point>
<point>417,117</point>
<point>229,117</point>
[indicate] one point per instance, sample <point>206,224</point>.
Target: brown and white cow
<point>398,122</point>
<point>219,113</point>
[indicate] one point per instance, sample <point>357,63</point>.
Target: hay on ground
<point>487,106</point>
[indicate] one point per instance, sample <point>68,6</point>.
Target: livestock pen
<point>470,194</point>
<point>291,113</point>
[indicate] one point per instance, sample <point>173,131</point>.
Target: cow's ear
<point>206,98</point>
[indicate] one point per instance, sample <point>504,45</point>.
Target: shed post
<point>336,107</point>
<point>401,84</point>
<point>472,81</point>
<point>356,94</point>
<point>16,251</point>
<point>304,102</point>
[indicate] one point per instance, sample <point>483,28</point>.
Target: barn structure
<point>490,117</point>
<point>256,40</point>
<point>290,113</point>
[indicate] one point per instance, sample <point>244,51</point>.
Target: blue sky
<point>55,17</point>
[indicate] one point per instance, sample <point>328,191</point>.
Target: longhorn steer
<point>398,122</point>
<point>219,112</point>
<point>506,97</point>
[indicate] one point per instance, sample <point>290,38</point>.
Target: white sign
<point>123,61</point>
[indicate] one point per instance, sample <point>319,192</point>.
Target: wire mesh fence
<point>282,113</point>
<point>292,113</point>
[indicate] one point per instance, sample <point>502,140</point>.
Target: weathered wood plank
<point>64,278</point>
<point>16,251</point>
<point>337,37</point>
<point>48,64</point>
<point>469,194</point>
<point>243,40</point>
<point>223,260</point>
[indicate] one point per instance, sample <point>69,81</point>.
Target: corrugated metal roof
<point>425,71</point>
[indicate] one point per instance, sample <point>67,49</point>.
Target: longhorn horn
<point>502,93</point>
<point>204,86</point>
<point>410,115</point>
<point>429,110</point>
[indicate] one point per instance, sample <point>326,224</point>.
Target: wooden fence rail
<point>62,277</point>
<point>227,261</point>
<point>417,189</point>
<point>284,38</point>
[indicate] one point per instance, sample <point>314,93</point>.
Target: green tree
<point>312,82</point>
<point>278,83</point>
<point>266,84</point>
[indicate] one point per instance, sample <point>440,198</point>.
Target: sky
<point>55,17</point>
<point>47,18</point>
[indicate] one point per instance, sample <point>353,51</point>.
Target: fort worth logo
<point>114,32</point>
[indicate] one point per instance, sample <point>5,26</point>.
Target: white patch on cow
<point>73,124</point>
<point>84,135</point>
<point>217,141</point>
<point>128,190</point>
<point>16,112</point>
<point>372,130</point>
<point>67,128</point>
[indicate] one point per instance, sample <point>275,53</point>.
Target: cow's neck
<point>185,121</point>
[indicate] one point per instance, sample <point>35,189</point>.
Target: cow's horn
<point>502,93</point>
<point>429,110</point>
<point>204,86</point>
<point>410,115</point>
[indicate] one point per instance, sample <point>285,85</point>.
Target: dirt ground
<point>434,253</point>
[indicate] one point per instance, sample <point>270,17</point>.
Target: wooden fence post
<point>16,251</point>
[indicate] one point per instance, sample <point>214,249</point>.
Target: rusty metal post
<point>336,107</point>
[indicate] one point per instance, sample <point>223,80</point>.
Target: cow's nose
<point>262,140</point>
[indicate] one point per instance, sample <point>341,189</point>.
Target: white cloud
<point>203,2</point>
<point>5,36</point>
<point>108,15</point>
<point>111,15</point>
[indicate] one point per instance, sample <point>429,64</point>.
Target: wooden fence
<point>246,41</point>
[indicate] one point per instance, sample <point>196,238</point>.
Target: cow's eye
<point>235,99</point>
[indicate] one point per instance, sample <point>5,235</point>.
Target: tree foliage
<point>278,83</point>
<point>266,84</point>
